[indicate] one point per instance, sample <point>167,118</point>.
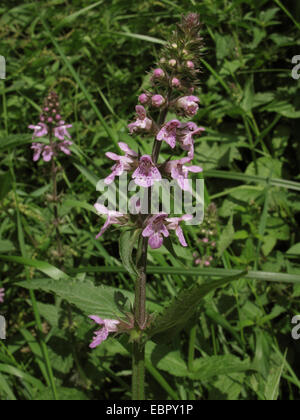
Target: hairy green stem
<point>140,316</point>
<point>138,355</point>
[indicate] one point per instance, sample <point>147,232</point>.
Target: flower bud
<point>157,100</point>
<point>192,20</point>
<point>158,74</point>
<point>190,65</point>
<point>143,98</point>
<point>172,62</point>
<point>176,82</point>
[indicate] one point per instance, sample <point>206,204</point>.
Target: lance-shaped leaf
<point>127,242</point>
<point>176,315</point>
<point>104,301</point>
<point>209,367</point>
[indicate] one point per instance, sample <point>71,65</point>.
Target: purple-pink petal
<point>168,132</point>
<point>125,148</point>
<point>146,173</point>
<point>156,240</point>
<point>180,235</point>
<point>40,130</point>
<point>108,326</point>
<point>47,153</point>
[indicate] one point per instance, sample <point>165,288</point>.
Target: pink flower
<point>157,100</point>
<point>143,98</point>
<point>156,230</point>
<point>113,218</point>
<point>124,163</point>
<point>61,131</point>
<point>48,153</point>
<point>168,132</point>
<point>108,326</point>
<point>142,122</point>
<point>176,82</point>
<point>158,73</point>
<point>40,130</point>
<point>38,148</point>
<point>189,104</point>
<point>147,173</point>
<point>174,224</point>
<point>172,62</point>
<point>65,146</point>
<point>180,172</point>
<point>185,138</point>
<point>190,64</point>
<point>2,294</point>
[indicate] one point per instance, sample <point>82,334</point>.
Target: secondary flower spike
<point>108,326</point>
<point>51,125</point>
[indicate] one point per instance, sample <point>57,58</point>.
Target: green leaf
<point>127,242</point>
<point>103,301</point>
<point>295,249</point>
<point>169,245</point>
<point>273,380</point>
<point>65,394</point>
<point>42,266</point>
<point>248,101</point>
<point>6,389</point>
<point>6,246</point>
<point>176,315</point>
<point>268,245</point>
<point>167,359</point>
<point>11,370</point>
<point>226,238</point>
<point>209,367</point>
<point>5,185</point>
<point>14,140</point>
<point>269,276</point>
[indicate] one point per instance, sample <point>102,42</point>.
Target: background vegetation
<point>96,55</point>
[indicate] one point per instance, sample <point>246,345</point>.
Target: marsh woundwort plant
<point>54,129</point>
<point>173,85</point>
